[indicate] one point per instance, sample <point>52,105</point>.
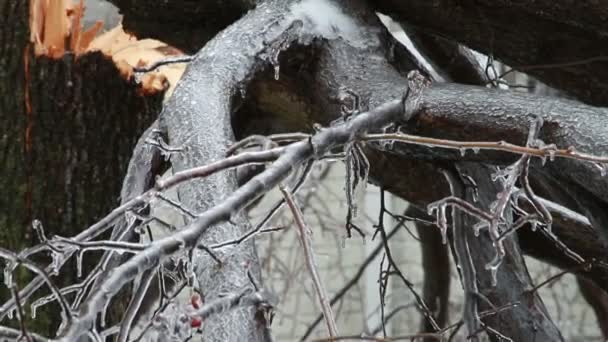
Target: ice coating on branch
<point>325,19</point>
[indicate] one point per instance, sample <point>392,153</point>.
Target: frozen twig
<point>305,238</point>
<point>246,297</point>
<point>392,264</point>
<point>134,305</point>
<point>549,151</point>
<point>14,259</point>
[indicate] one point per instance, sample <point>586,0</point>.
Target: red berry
<point>196,322</point>
<point>194,300</point>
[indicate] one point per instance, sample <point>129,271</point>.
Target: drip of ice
<point>8,274</point>
<point>388,145</point>
<point>534,225</point>
<point>477,227</point>
<point>37,225</point>
<point>494,272</point>
<point>55,263</point>
<point>79,263</point>
<point>103,313</point>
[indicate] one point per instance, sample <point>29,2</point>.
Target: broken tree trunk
<point>69,124</point>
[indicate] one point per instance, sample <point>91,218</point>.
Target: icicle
<point>8,274</point>
<point>463,151</point>
<point>33,309</point>
<point>190,268</point>
<point>277,71</point>
<point>475,195</point>
<point>443,223</point>
<point>534,225</point>
<point>477,227</point>
<point>494,272</point>
<point>552,155</point>
<point>104,312</point>
<point>37,225</point>
<point>493,265</point>
<point>388,145</point>
<point>350,181</point>
<point>138,230</point>
<point>79,263</point>
<point>476,150</point>
<point>118,251</point>
<point>10,313</point>
<point>55,264</point>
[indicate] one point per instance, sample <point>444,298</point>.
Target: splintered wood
<point>56,29</point>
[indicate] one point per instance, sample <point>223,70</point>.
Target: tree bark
<point>198,120</point>
<point>528,320</point>
<point>69,126</point>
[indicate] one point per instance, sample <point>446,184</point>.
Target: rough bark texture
<point>199,120</point>
<point>68,130</point>
<point>527,321</point>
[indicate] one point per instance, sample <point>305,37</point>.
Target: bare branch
<point>305,239</point>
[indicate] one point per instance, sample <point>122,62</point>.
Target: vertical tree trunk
<point>67,130</point>
<point>528,320</point>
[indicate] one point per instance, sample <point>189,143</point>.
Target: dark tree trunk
<point>68,129</point>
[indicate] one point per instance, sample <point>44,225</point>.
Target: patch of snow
<point>323,18</point>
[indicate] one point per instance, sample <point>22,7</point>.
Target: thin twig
<point>311,262</point>
<point>541,152</point>
<point>354,280</point>
<point>14,258</point>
